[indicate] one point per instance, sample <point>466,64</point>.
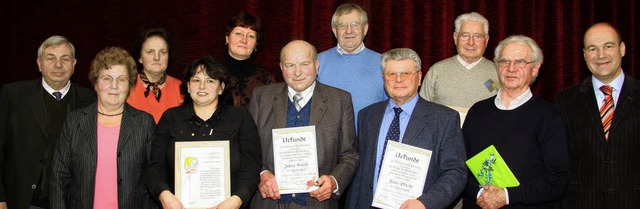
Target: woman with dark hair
<point>154,91</point>
<point>203,117</point>
<point>243,36</point>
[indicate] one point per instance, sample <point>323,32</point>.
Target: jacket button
<point>33,186</point>
<point>293,195</point>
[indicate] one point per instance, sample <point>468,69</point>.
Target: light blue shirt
<point>617,87</point>
<point>405,115</point>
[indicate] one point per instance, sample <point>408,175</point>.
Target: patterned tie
<point>57,95</point>
<point>606,111</point>
<point>393,133</point>
<point>296,101</point>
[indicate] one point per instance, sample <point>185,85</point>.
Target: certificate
<point>402,175</point>
<point>202,173</point>
<point>295,159</point>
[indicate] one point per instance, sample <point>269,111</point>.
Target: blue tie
<point>393,133</point>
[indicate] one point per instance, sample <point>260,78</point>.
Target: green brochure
<point>490,169</point>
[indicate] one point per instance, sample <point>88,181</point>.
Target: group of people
<point>66,146</point>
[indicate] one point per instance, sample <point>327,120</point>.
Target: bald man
<point>327,108</point>
<point>603,150</point>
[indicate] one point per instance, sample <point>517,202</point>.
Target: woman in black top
<point>204,117</point>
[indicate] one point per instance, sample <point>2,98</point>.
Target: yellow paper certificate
<point>295,159</point>
<point>202,178</point>
<point>402,175</point>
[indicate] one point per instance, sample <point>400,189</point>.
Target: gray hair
<point>55,41</point>
<point>347,8</point>
<point>473,16</point>
<point>400,54</point>
<point>538,58</point>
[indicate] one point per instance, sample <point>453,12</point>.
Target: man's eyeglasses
<point>353,25</point>
<point>403,75</point>
<point>467,36</point>
<point>517,63</point>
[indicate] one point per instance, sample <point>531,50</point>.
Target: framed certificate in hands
<point>295,159</point>
<point>202,178</point>
<point>402,175</point>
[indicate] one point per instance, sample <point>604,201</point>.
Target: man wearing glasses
<point>351,66</point>
<point>527,131</point>
<point>409,119</point>
<point>462,80</point>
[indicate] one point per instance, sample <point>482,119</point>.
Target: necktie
<point>606,111</point>
<point>296,101</point>
<point>57,95</point>
<point>393,133</point>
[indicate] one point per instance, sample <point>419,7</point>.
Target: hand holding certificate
<point>295,159</point>
<point>402,175</point>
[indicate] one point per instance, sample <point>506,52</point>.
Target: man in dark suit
<point>420,123</point>
<point>31,115</point>
<point>604,151</point>
<point>327,108</point>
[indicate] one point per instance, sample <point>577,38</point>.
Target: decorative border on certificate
<point>402,175</point>
<point>202,178</point>
<point>295,159</point>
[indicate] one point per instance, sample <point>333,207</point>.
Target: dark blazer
<point>74,160</point>
<point>331,113</point>
<point>23,135</point>
<point>603,174</point>
<point>431,126</point>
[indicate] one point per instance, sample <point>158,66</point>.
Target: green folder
<point>491,170</point>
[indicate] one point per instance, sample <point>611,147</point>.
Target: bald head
<point>299,64</point>
<point>602,29</point>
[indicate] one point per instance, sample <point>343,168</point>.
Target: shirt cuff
<point>337,190</point>
<point>506,196</point>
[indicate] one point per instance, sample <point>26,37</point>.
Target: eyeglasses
<point>354,26</point>
<point>517,63</point>
<point>240,34</point>
<point>467,36</point>
<point>403,75</point>
<point>109,80</point>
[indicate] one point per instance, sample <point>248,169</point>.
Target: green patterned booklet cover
<point>490,169</point>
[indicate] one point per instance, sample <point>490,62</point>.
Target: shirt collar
<point>515,103</point>
<point>306,94</point>
<point>467,65</point>
<point>616,84</point>
<point>64,89</point>
<point>358,50</point>
<point>407,107</point>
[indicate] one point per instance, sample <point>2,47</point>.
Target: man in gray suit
<point>421,124</point>
<point>327,108</point>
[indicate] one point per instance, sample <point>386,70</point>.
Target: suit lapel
<point>318,104</point>
<point>88,126</point>
<point>128,122</point>
<point>417,122</point>
<point>36,103</point>
<point>280,107</point>
<point>626,99</point>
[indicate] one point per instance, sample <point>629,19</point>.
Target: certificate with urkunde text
<point>402,175</point>
<point>202,178</point>
<point>295,159</point>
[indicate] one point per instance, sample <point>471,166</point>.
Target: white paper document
<point>202,178</point>
<point>402,175</point>
<point>295,159</point>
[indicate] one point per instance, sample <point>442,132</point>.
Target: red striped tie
<point>606,111</point>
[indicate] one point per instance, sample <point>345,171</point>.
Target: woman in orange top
<point>154,91</point>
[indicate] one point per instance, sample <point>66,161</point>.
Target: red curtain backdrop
<point>197,29</point>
